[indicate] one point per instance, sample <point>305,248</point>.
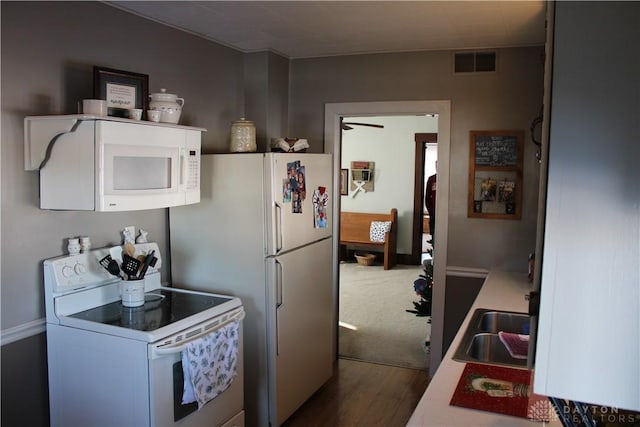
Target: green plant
<point>423,287</point>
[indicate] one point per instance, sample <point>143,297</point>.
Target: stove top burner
<point>161,308</point>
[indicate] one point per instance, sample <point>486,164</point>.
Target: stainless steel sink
<point>480,342</point>
<point>496,321</point>
<point>488,348</point>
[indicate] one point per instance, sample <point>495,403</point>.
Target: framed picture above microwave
<point>122,90</point>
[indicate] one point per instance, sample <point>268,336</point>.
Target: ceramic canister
<point>169,105</point>
<point>243,136</point>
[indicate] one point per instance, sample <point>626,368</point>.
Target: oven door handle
<point>157,351</point>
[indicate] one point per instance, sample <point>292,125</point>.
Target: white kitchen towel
<point>209,364</point>
<point>378,230</point>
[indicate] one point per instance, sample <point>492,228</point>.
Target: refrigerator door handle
<point>278,227</point>
<point>278,284</point>
<point>278,302</point>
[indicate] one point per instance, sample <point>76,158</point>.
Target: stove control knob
<point>80,268</point>
<point>67,271</point>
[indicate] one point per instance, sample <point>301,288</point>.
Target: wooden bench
<point>355,227</point>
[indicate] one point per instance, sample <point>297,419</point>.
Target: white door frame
<point>332,131</point>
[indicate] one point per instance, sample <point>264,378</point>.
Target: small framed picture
<point>344,182</point>
<point>122,90</point>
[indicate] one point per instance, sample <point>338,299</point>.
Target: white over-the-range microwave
<point>112,164</point>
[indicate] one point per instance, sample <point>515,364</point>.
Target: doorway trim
<point>332,144</point>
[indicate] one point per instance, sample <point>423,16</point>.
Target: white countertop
<point>500,291</point>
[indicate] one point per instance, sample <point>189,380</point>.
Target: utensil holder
<point>132,293</point>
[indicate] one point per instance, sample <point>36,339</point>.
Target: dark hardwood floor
<point>363,394</point>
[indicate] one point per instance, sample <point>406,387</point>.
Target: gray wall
<point>266,77</point>
<point>460,294</point>
<point>25,401</point>
<point>508,99</point>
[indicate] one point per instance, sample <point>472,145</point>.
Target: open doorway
<point>374,325</point>
<point>426,162</point>
<point>332,144</point>
<point>389,151</point>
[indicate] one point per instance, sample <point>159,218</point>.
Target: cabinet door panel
<point>588,344</point>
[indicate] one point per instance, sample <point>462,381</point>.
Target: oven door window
<point>179,410</point>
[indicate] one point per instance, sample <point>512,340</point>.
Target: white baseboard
<point>478,273</point>
<point>23,331</point>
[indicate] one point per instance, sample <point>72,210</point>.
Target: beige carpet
<point>374,325</point>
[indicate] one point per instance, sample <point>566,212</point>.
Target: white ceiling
<point>302,29</point>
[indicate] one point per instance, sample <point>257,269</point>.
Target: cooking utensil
<point>129,249</point>
<point>110,265</point>
<point>130,265</point>
<point>105,262</point>
<point>116,253</point>
<point>147,263</point>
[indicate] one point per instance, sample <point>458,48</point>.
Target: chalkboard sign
<point>495,174</point>
<point>496,150</point>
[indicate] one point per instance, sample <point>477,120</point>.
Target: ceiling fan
<point>347,125</point>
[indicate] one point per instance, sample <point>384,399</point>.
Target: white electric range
<point>111,365</point>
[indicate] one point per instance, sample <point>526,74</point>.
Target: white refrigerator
<point>263,232</point>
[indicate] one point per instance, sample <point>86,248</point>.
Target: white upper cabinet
<point>588,345</point>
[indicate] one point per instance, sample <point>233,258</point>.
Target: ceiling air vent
<point>474,62</point>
